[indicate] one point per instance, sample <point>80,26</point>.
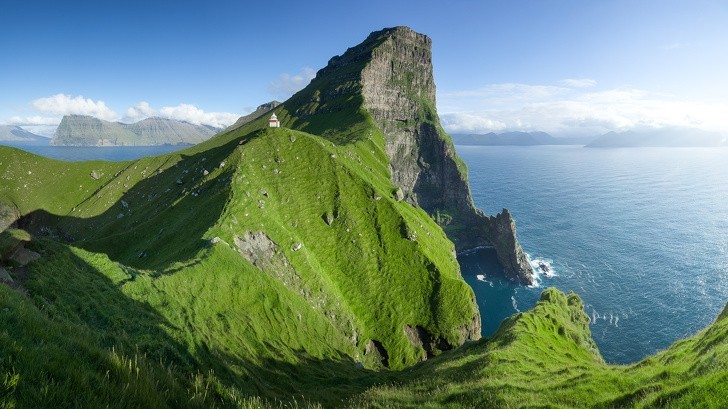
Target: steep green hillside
<point>288,267</point>
<point>546,358</point>
<point>263,254</point>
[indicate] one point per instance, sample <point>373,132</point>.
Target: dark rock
<point>502,234</point>
<point>420,337</point>
<point>22,256</point>
<point>375,350</point>
<point>5,276</point>
<point>398,194</point>
<point>328,218</point>
<point>9,215</point>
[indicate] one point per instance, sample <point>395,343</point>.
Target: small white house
<point>273,122</point>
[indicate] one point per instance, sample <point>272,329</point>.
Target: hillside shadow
<point>72,291</point>
<point>156,222</point>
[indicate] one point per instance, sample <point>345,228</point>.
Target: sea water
<point>640,234</point>
<point>83,153</point>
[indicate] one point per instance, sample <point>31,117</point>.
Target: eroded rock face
<point>502,233</point>
<point>375,350</point>
<point>9,215</point>
<point>399,92</point>
<point>420,337</point>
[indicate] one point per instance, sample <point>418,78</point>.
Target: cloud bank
<point>182,112</point>
<point>573,107</point>
<point>50,110</point>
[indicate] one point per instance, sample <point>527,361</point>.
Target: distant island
<point>516,139</point>
<point>668,137</point>
<point>16,134</point>
<point>82,130</point>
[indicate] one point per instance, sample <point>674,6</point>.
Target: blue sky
<point>566,67</point>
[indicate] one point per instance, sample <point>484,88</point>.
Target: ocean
<point>640,234</point>
<point>114,154</point>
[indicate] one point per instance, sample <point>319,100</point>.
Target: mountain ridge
<point>287,267</point>
<point>666,137</point>
<point>14,133</point>
<point>84,130</point>
<point>390,76</point>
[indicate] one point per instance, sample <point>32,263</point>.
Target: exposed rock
<point>472,332</point>
<point>420,337</point>
<point>95,175</point>
<point>259,249</point>
<point>375,350</point>
<point>328,218</point>
<point>9,214</point>
<point>297,247</point>
<point>398,194</point>
<point>399,92</point>
<point>5,276</point>
<point>22,256</point>
<point>502,232</point>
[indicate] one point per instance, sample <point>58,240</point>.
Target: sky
<point>571,68</point>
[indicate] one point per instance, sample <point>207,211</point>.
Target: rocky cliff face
<point>82,130</point>
<point>393,70</point>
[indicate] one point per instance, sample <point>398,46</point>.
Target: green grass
<point>142,299</point>
<point>195,324</point>
<point>128,263</point>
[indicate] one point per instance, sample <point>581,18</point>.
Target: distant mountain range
<point>16,134</point>
<point>82,130</point>
<point>517,139</point>
<point>669,137</point>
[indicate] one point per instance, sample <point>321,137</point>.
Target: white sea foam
<point>515,304</point>
<point>536,263</point>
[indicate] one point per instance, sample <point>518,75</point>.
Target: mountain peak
<point>388,79</point>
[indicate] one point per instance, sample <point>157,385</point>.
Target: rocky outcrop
<point>261,110</point>
<point>9,215</point>
<point>392,69</point>
<point>82,130</point>
<point>420,337</point>
<point>502,234</point>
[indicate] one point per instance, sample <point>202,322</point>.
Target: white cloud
<point>464,122</point>
<point>54,107</point>
<point>182,112</point>
<point>578,82</point>
<point>286,85</point>
<point>575,111</point>
<point>140,111</point>
<point>34,120</point>
<point>62,104</point>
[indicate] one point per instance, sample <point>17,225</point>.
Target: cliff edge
<point>392,73</point>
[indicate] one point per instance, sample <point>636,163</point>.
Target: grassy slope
<point>203,327</point>
<point>546,358</point>
<point>187,307</point>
